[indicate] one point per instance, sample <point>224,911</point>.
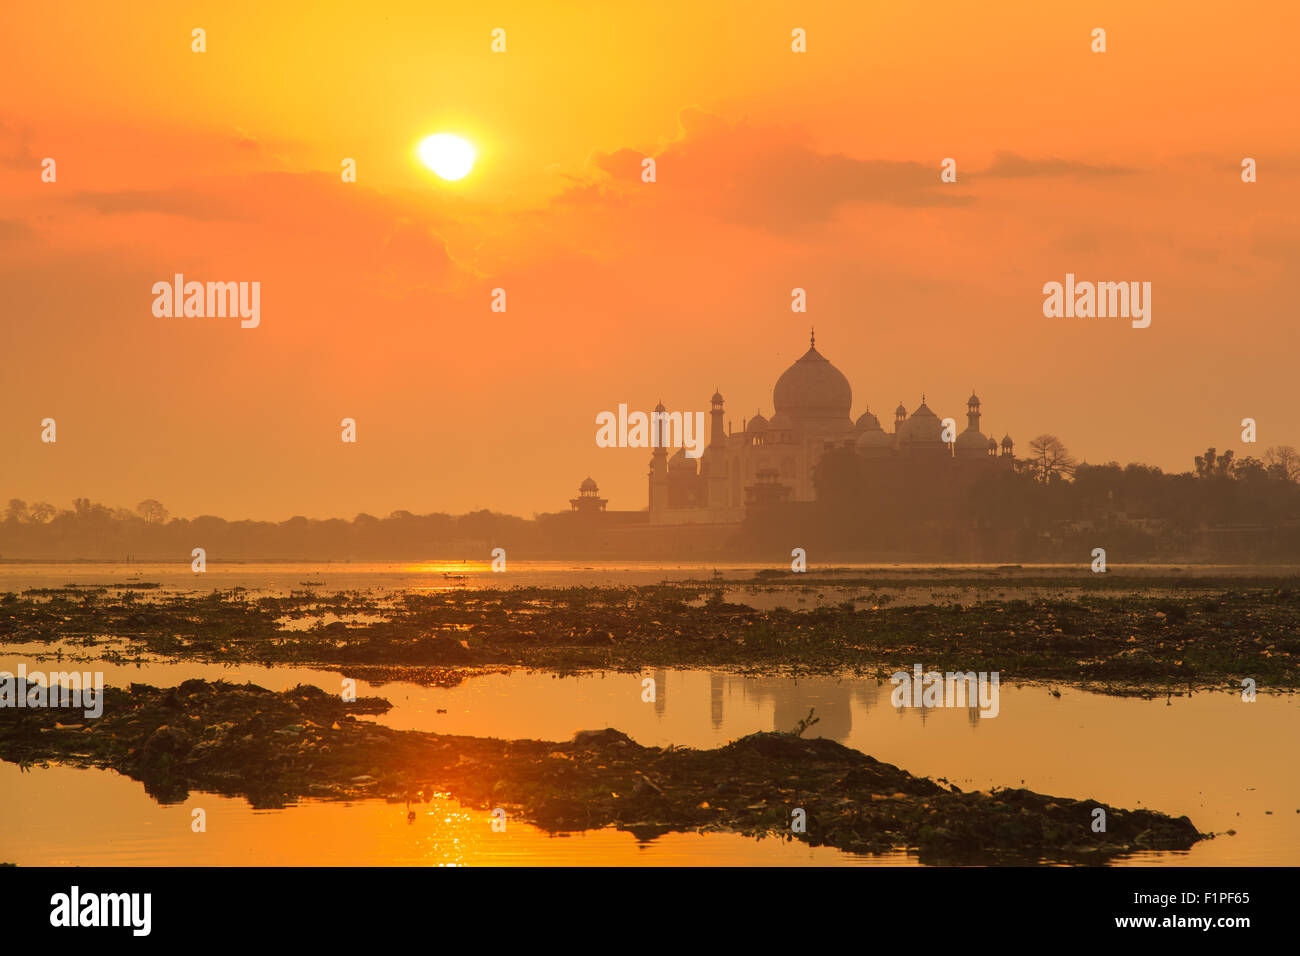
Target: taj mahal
<point>772,461</point>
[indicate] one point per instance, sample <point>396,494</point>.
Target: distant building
<point>588,500</point>
<point>772,461</point>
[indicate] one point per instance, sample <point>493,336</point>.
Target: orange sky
<point>775,170</point>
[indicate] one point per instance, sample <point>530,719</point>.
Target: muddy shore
<point>1200,633</point>
<point>274,748</point>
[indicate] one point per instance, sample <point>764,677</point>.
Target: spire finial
<point>812,337</point>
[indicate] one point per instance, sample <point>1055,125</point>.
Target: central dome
<point>813,388</point>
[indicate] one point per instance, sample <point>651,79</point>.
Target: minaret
<point>973,412</point>
<point>717,437</point>
<point>716,458</point>
<point>658,474</point>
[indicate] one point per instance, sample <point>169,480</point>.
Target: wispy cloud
<point>1007,165</point>
<point>767,178</point>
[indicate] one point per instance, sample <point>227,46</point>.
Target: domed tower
<point>588,500</point>
<point>900,416</point>
<point>971,443</point>
<point>1007,446</point>
<point>715,460</point>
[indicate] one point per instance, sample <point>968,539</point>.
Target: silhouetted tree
<point>1051,459</point>
<point>152,511</point>
<point>1283,461</point>
<point>1211,465</point>
<point>1249,469</point>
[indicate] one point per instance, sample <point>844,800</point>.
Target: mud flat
<point>275,748</point>
<point>1121,644</point>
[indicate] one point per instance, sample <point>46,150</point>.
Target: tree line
<point>1048,505</point>
<point>89,530</point>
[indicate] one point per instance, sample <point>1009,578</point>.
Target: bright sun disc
<point>449,156</point>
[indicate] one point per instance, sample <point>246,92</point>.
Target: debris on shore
<point>275,748</point>
<point>1195,637</point>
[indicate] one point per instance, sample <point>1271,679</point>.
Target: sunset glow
<point>682,434</point>
<point>451,157</point>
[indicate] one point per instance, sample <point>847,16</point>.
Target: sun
<point>451,157</point>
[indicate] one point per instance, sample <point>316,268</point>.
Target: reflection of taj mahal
<point>772,461</point>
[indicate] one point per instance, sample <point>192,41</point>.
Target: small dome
<point>900,411</point>
<point>867,422</point>
<point>588,485</point>
<point>873,441</point>
<point>679,462</point>
<point>756,424</point>
<point>993,444</point>
<point>781,422</point>
<point>971,443</point>
<point>660,407</point>
<point>717,398</point>
<point>1006,441</point>
<point>973,400</point>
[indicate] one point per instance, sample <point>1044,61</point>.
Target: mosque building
<point>772,461</point>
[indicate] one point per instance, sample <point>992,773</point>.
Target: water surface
<point>1210,756</point>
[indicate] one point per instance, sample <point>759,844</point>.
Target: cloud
<point>15,229</point>
<point>15,146</point>
<point>185,203</point>
<point>287,223</point>
<point>623,164</point>
<point>414,257</point>
<point>1007,165</point>
<point>1275,239</point>
<point>763,177</point>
